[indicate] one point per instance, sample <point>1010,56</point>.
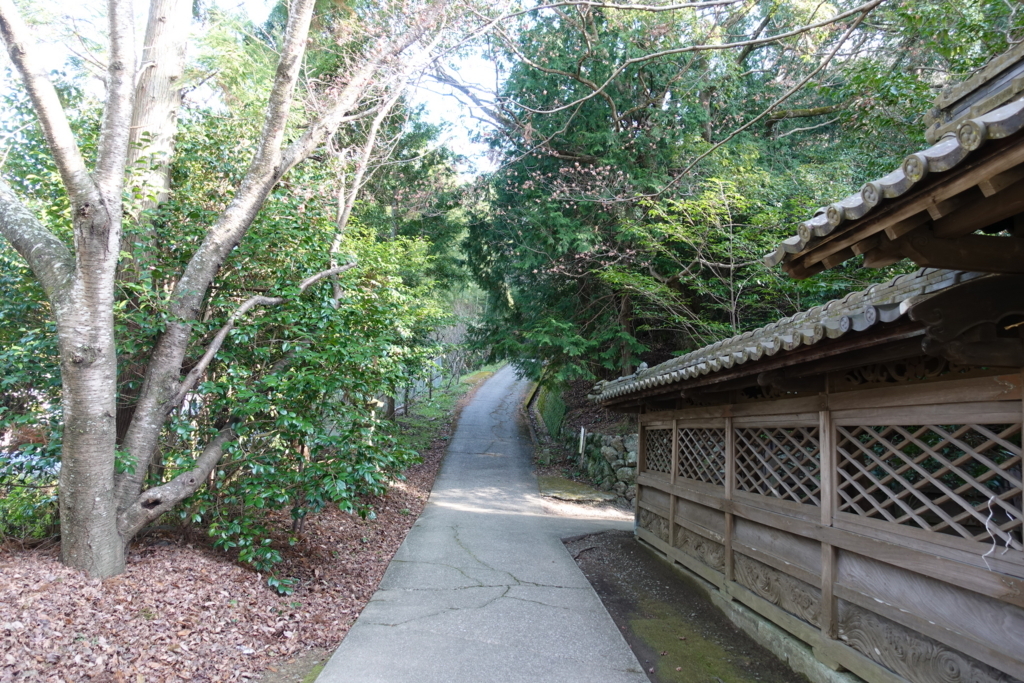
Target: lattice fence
<point>702,455</point>
<point>659,450</point>
<point>781,462</point>
<point>962,480</point>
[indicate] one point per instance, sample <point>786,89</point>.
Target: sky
<point>441,105</point>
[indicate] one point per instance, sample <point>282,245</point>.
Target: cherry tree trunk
<point>88,512</point>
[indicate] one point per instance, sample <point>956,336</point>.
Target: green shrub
<point>551,408</point>
<point>29,511</point>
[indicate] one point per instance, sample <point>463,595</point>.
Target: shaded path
<point>482,589</point>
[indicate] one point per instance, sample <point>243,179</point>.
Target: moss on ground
<point>419,427</point>
<point>676,632</point>
<point>689,657</point>
<point>567,489</point>
<point>314,672</point>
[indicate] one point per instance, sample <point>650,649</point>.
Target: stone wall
<point>610,461</point>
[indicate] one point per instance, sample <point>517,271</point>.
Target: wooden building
<point>853,473</point>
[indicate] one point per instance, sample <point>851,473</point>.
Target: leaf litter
<point>185,612</point>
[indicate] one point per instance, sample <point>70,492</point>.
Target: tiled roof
<point>857,311</point>
<point>948,153</point>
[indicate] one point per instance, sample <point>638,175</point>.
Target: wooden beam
<point>982,213</point>
<point>782,382</point>
<point>1001,181</point>
<point>877,258</point>
<point>866,245</point>
<point>835,259</point>
<point>938,210</point>
<point>997,353</point>
<point>798,271</point>
<point>980,253</point>
<point>827,454</point>
<point>952,312</point>
<point>898,230</point>
<point>730,485</point>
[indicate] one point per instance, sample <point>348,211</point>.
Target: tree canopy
<point>221,270</point>
<point>649,159</point>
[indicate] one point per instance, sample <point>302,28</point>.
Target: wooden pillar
<point>829,476</point>
<point>673,475</point>
<point>730,484</point>
<point>641,450</point>
<point>641,466</point>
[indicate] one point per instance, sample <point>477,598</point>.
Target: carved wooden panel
<point>759,393</point>
<point>961,479</point>
<point>659,450</point>
<point>780,462</point>
<point>702,455</point>
<point>943,604</point>
<point>905,371</point>
<point>792,595</point>
<point>656,524</point>
<point>696,546</point>
<point>908,653</point>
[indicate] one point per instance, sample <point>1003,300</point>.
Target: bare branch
<point>785,96</point>
<point>24,55</point>
<point>325,126</point>
<point>364,159</point>
<point>117,110</point>
<point>617,71</point>
<point>804,129</point>
<point>218,340</point>
<point>497,117</point>
<point>263,172</point>
<point>745,52</point>
<point>49,258</point>
<point>160,499</point>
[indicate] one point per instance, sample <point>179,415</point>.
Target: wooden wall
<point>862,522</point>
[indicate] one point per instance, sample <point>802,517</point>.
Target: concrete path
<point>482,590</point>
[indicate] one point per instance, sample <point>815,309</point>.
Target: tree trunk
<point>626,321</point>
<point>104,505</point>
<point>88,513</point>
<point>151,146</point>
<point>705,96</point>
<point>81,287</point>
<point>155,122</point>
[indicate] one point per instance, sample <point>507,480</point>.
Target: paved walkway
<point>482,590</point>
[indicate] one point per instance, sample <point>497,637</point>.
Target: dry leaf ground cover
<point>183,612</point>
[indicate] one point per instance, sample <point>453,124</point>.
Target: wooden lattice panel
<point>702,455</point>
<point>780,462</point>
<point>659,450</point>
<point>962,480</point>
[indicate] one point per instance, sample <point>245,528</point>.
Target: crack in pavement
<point>485,507</point>
<point>444,610</point>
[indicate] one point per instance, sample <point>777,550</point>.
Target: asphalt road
<point>482,589</point>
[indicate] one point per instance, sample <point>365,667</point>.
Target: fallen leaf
<point>129,620</point>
